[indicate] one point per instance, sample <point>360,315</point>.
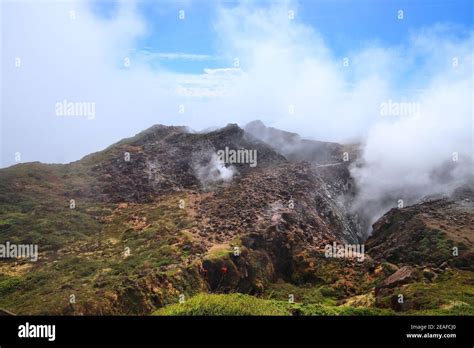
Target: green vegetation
<point>309,294</point>
<point>83,252</point>
<point>240,304</point>
<point>219,304</point>
<point>219,251</point>
<point>432,246</point>
<point>452,293</point>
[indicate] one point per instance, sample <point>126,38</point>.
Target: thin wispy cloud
<point>176,56</point>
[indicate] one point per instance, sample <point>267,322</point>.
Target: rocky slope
<point>156,218</point>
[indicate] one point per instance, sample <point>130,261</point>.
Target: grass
<point>219,251</point>
<point>451,294</point>
<point>245,305</point>
<point>82,255</point>
<point>310,294</point>
<point>220,304</point>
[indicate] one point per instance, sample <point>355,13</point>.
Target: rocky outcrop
<point>433,233</point>
<point>164,159</point>
<point>296,149</point>
<point>404,275</point>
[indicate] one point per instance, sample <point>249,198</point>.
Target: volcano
<point>159,223</point>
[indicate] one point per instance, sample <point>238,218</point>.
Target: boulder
<point>404,275</point>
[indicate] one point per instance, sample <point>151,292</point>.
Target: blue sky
<point>345,25</point>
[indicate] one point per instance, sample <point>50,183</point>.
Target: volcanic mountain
<point>158,222</point>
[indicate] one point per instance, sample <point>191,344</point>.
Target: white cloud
<point>411,157</point>
<point>80,60</point>
<point>213,83</point>
<point>223,71</point>
<point>147,55</point>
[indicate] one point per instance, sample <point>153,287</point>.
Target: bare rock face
<point>430,233</point>
<point>429,241</point>
<point>293,147</point>
<point>297,198</point>
<point>164,159</point>
<point>404,275</point>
